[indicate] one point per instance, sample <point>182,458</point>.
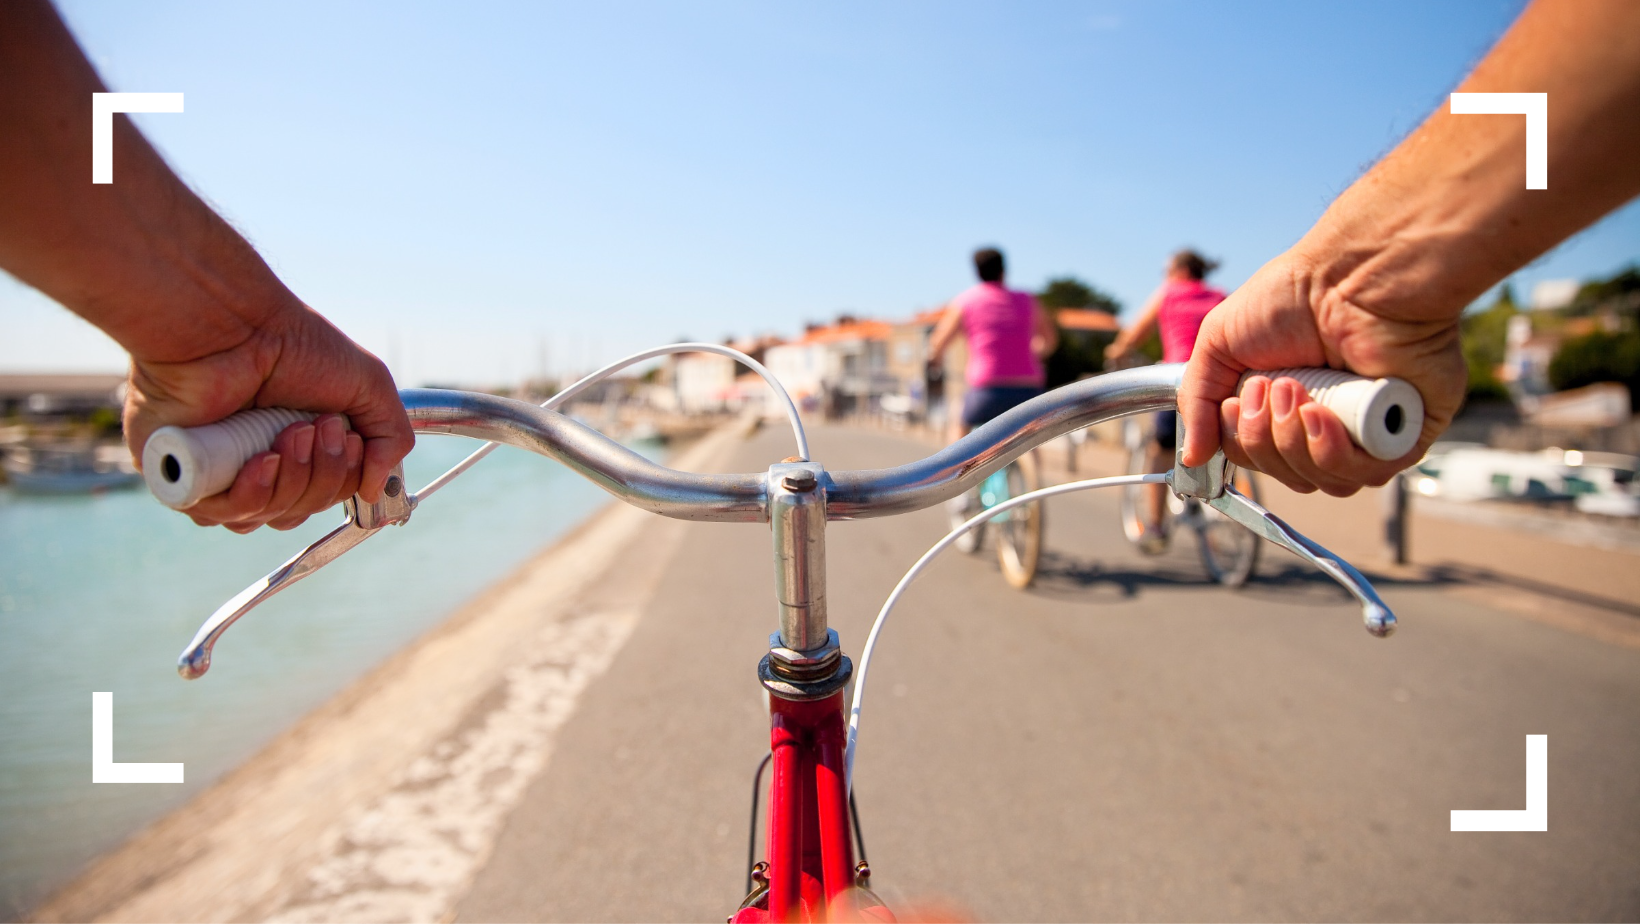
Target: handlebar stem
<point>797,517</point>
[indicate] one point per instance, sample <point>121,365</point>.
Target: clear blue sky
<point>457,185</point>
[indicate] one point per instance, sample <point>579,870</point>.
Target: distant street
<point>1123,742</point>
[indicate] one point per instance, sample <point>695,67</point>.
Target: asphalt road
<point>1122,742</point>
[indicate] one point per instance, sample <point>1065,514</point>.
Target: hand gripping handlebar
<point>1379,410</point>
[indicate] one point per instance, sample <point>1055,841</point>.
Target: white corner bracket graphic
<point>1535,107</point>
<point>103,768</point>
<point>1535,817</point>
<point>103,107</point>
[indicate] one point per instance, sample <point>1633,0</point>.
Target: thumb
<point>1209,378</point>
<point>388,438</point>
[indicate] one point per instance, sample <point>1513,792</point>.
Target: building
<point>839,368</point>
<point>712,382</point>
<point>1527,351</point>
<point>908,364</point>
<point>1088,322</point>
<point>46,396</point>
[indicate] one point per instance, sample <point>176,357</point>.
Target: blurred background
<point>504,196</point>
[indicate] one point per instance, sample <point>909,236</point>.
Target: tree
<point>1079,353</point>
<point>1070,292</point>
<point>1601,356</point>
<point>1483,335</point>
<point>1619,292</point>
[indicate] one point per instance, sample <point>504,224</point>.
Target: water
<point>101,593</point>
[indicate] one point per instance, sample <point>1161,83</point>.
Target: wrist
<point>1406,254</point>
<point>200,290</point>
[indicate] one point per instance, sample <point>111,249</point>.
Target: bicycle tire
<point>972,541</point>
<point>1137,439</point>
<point>1229,551</point>
<point>1019,537</point>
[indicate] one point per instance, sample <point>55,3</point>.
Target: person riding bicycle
<point>1008,337</point>
<point>1176,310</point>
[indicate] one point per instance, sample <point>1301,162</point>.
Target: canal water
<point>100,593</point>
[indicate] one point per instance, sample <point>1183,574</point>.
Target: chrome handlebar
<point>742,498</point>
<point>745,498</point>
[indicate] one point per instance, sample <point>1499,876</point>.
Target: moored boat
<point>79,469</point>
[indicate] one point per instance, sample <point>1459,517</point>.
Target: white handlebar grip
<point>184,464</point>
<point>1383,416</point>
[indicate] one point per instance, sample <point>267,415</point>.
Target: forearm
<point>1446,214</point>
<point>944,332</point>
<point>1046,340</point>
<point>142,258</point>
<point>1128,338</point>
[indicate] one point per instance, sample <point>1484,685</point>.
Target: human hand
<point>1281,319</point>
<point>296,360</point>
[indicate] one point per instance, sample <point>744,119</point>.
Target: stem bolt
<point>801,481</point>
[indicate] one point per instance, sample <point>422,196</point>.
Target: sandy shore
<point>382,803</point>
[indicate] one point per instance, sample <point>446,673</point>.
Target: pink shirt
<point>1185,302</point>
<point>999,324</point>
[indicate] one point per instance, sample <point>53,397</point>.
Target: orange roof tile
<point>856,330</point>
<point>1086,319</point>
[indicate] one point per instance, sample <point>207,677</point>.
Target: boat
<point>1593,482</point>
<point>75,469</point>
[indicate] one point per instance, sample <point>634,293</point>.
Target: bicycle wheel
<point>1135,502</point>
<point>957,511</point>
<point>1133,495</point>
<point>1019,531</point>
<point>1229,550</point>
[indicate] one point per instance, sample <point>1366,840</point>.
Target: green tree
<point>1598,357</point>
<point>1483,334</point>
<point>1619,292</point>
<point>1070,292</point>
<point>1079,353</point>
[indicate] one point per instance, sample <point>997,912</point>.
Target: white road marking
<point>410,855</point>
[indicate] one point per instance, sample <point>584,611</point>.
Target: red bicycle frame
<point>810,873</point>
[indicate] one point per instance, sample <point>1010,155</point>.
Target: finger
<point>328,470</point>
<point>1254,435</point>
<point>249,494</point>
<point>1229,437</point>
<point>1315,443</point>
<point>1208,380</point>
<point>380,455</point>
<point>355,460</point>
<point>294,444</point>
<point>380,419</point>
<point>1293,442</point>
<point>1335,453</point>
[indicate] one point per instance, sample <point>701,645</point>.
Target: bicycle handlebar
<point>847,495</point>
<point>1384,416</point>
<point>742,498</point>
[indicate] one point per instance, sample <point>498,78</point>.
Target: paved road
<point>1123,742</point>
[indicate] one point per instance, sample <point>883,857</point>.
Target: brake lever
<point>363,521</point>
<point>1266,525</point>
<point>1209,484</point>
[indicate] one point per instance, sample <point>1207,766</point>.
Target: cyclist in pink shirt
<point>1176,311</point>
<point>1008,337</point>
